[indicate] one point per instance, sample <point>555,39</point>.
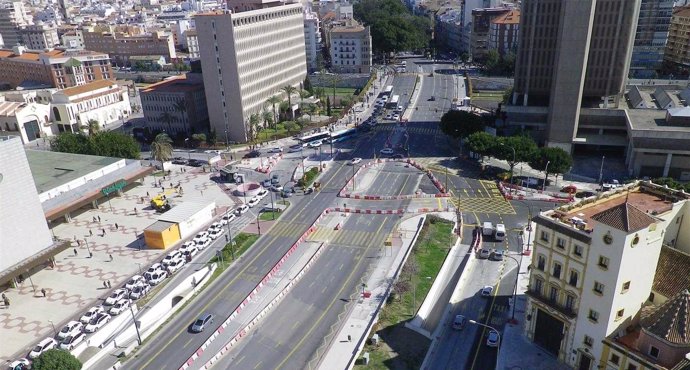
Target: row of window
<point>561,243</point>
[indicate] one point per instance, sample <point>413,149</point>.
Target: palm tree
<point>181,107</point>
<point>273,100</point>
<point>168,119</point>
<point>268,118</point>
<point>302,95</point>
<point>252,127</point>
<point>161,147</point>
<point>310,109</point>
<point>289,90</point>
<point>92,126</point>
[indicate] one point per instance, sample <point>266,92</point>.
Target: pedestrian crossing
<point>410,129</point>
<point>287,229</point>
<point>350,238</point>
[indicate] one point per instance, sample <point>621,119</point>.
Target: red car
<point>570,189</point>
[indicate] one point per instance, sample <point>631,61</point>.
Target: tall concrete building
<point>571,55</point>
<point>650,38</point>
<point>246,58</point>
<point>40,36</point>
<point>312,39</point>
<point>678,46</point>
<point>13,16</point>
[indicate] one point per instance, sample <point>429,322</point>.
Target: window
<point>615,359</point>
<point>603,262</point>
<point>619,314</point>
<point>573,278</point>
<point>557,270</point>
<point>560,243</point>
<point>541,262</point>
<point>588,341</point>
<point>553,294</point>
<point>654,352</point>
<point>569,302</point>
<point>632,367</point>
<point>593,315</point>
<point>626,287</point>
<point>598,287</point>
<point>538,285</point>
<point>578,250</point>
<point>544,236</point>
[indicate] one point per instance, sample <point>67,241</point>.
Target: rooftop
<point>671,320</point>
<point>625,217</point>
<point>672,275</point>
<point>52,169</point>
<point>174,84</point>
<point>98,84</point>
<point>512,17</point>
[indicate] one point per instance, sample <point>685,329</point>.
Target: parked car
<point>570,189</point>
<point>275,179</point>
<point>585,194</point>
<point>277,188</point>
<point>487,291</point>
<point>262,194</point>
<point>120,306</point>
<point>252,202</point>
<point>116,296</point>
<point>389,116</point>
<point>200,323</point>
<point>154,268</point>
<point>190,251</point>
<point>69,329</point>
<point>215,225</point>
<point>203,243</point>
<point>266,183</point>
<point>227,218</point>
<point>176,265</point>
<point>134,281</point>
<point>141,290</point>
<point>611,184</point>
<point>172,256</point>
<point>497,255</point>
<point>42,346</point>
<point>355,160</point>
<point>484,253</point>
<point>216,233</point>
<point>200,235</point>
<point>71,341</point>
<point>21,364</point>
<point>396,117</point>
<point>241,210</point>
<point>91,313</point>
<point>97,323</point>
<point>275,150</point>
<point>386,151</point>
<point>492,339</point>
<point>158,277</point>
<point>459,322</point>
<point>252,154</point>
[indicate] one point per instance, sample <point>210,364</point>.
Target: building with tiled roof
<point>597,263</point>
<point>121,46</point>
<point>169,96</point>
<point>103,101</point>
<point>504,31</point>
<point>351,48</point>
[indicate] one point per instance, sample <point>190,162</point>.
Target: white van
<point>500,232</point>
<point>488,229</point>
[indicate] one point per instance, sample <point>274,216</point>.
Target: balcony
<point>569,312</point>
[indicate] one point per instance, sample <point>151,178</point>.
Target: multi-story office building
<point>350,47</point>
<point>504,31</point>
<point>59,68</point>
<point>103,101</point>
<point>467,20</point>
<point>678,45</point>
<point>40,36</point>
<point>121,46</point>
<point>571,55</point>
<point>183,98</point>
<point>246,58</point>
<point>13,16</point>
<point>73,39</point>
<point>312,39</point>
<point>594,266</point>
<point>192,43</point>
<point>482,19</point>
<point>650,38</point>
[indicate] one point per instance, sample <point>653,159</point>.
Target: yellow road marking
<point>257,364</point>
<point>481,338</point>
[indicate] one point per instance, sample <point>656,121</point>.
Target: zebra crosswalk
<point>287,229</point>
<point>411,129</point>
<point>350,238</point>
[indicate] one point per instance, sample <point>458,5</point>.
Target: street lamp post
<point>139,264</point>
<point>134,319</point>
<point>546,171</point>
<point>189,152</point>
<point>601,170</point>
<point>512,167</point>
<point>86,242</point>
<point>53,325</point>
<point>498,348</point>
<point>519,266</point>
<point>232,242</point>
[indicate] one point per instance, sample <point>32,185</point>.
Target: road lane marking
<point>257,364</point>
<point>481,338</point>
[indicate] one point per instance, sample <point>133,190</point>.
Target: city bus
<point>388,90</point>
<point>393,103</point>
<point>306,139</point>
<point>343,135</point>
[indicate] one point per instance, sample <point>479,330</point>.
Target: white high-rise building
<point>248,57</point>
<point>351,48</point>
<point>13,16</point>
<point>312,39</point>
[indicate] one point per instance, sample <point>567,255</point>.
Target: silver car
<point>200,323</point>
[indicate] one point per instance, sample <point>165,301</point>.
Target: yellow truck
<point>160,203</point>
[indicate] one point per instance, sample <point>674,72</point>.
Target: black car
<point>179,161</point>
<point>585,194</point>
<point>195,163</point>
<point>252,154</point>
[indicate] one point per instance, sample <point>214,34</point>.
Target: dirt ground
<point>405,348</point>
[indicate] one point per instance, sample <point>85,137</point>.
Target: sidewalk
<point>342,352</point>
<point>516,350</point>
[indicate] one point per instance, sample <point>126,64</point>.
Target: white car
<point>42,346</point>
<point>487,291</point>
<point>97,323</point>
<point>262,194</point>
<point>69,329</point>
<point>203,243</point>
<point>252,202</point>
<point>216,233</point>
<point>120,306</point>
<point>176,265</point>
<point>21,364</point>
<point>277,188</point>
<point>190,251</point>
<point>115,296</point>
<point>355,160</point>
<point>140,291</point>
<point>70,342</point>
<point>91,313</point>
<point>158,277</point>
<point>134,281</point>
<point>275,150</point>
<point>241,210</point>
<point>386,151</point>
<point>200,235</point>
<point>215,225</point>
<point>396,117</point>
<point>155,268</point>
<point>492,339</point>
<point>389,116</point>
<point>227,218</point>
<point>315,143</point>
<point>172,256</point>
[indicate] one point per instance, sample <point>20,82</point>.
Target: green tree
<point>53,359</point>
<point>212,137</point>
<point>525,150</point>
<point>181,107</point>
<point>559,161</point>
<point>303,94</point>
<point>289,90</point>
<point>198,139</point>
<point>291,127</point>
<point>393,27</point>
<point>273,100</point>
<point>168,119</point>
<point>161,147</point>
<point>307,85</point>
<point>92,127</point>
<point>268,119</point>
<point>328,106</point>
<point>253,127</point>
<point>310,109</point>
<point>114,144</point>
<point>460,124</point>
<point>68,142</point>
<point>481,142</point>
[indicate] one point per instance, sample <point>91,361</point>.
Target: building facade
<point>73,39</point>
<point>503,32</point>
<point>192,44</point>
<point>183,98</point>
<point>26,118</point>
<point>121,46</point>
<point>40,37</point>
<point>103,101</point>
<point>60,68</point>
<point>312,39</point>
<point>350,47</point>
<point>246,58</point>
<point>481,29</point>
<point>448,32</point>
<point>678,45</point>
<point>650,38</point>
<point>13,16</point>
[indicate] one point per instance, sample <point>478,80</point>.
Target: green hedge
<point>308,178</point>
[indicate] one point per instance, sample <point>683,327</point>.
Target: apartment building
<point>59,68</point>
<point>350,46</point>
<point>467,19</point>
<point>26,118</point>
<point>13,16</point>
<point>73,39</point>
<point>312,39</point>
<point>678,45</point>
<point>183,98</point>
<point>503,32</point>
<point>650,38</point>
<point>448,30</point>
<point>246,58</point>
<point>481,29</point>
<point>192,41</point>
<point>40,36</point>
<point>121,46</point>
<point>104,101</point>
<point>594,267</point>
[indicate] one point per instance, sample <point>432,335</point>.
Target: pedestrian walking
<point>90,254</point>
<point>7,302</point>
<point>90,232</point>
<point>105,285</point>
<point>43,291</point>
<point>135,211</point>
<point>116,226</point>
<point>4,296</point>
<point>75,252</point>
<point>147,194</point>
<point>103,230</point>
<point>94,218</point>
<point>111,257</point>
<point>109,284</point>
<point>99,218</point>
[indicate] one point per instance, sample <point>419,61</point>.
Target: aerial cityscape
<point>345,184</point>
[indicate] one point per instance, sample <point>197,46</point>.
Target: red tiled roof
<point>671,321</point>
<point>672,272</point>
<point>625,217</point>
